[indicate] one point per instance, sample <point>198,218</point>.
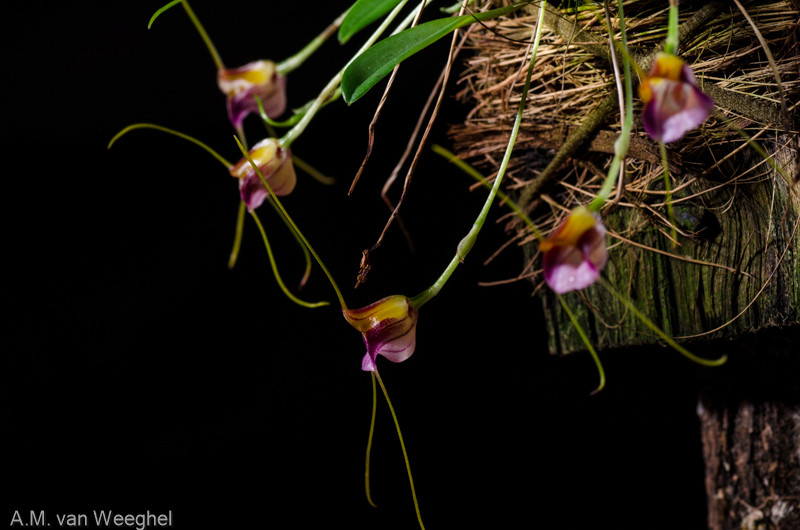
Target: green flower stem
<point>622,143</point>
<point>305,166</point>
<point>668,189</point>
<point>203,35</point>
<point>666,338</point>
<point>324,96</point>
<point>466,244</point>
<point>306,255</point>
<point>472,172</point>
<point>160,10</point>
<point>274,266</point>
<point>408,20</point>
<point>292,63</point>
<point>313,172</point>
<point>237,236</point>
<point>455,8</point>
<point>403,447</point>
<point>369,442</point>
<point>291,223</point>
<point>195,141</point>
<point>671,45</point>
<point>522,215</point>
<point>754,145</point>
<point>297,114</point>
<point>516,208</point>
<point>586,342</point>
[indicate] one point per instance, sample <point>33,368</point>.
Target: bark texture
<point>738,271</point>
<point>750,424</point>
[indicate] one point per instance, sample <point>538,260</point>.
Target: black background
<point>139,373</point>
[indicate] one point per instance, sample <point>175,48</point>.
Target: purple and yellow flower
<point>275,164</point>
<point>673,104</point>
<point>388,327</point>
<point>575,253</point>
<point>241,85</point>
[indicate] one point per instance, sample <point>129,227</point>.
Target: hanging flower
<point>242,84</point>
<point>673,104</point>
<point>275,163</point>
<point>575,253</point>
<point>388,327</point>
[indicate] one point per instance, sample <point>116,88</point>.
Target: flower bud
<point>275,164</point>
<point>673,104</point>
<point>575,253</point>
<point>388,327</point>
<point>242,84</point>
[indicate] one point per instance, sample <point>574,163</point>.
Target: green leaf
<point>375,63</point>
<point>362,14</point>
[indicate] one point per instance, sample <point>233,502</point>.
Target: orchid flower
<point>388,327</point>
<point>673,104</point>
<point>264,79</point>
<point>242,85</point>
<point>275,164</point>
<point>576,252</point>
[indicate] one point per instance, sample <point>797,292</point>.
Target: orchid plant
<point>573,255</point>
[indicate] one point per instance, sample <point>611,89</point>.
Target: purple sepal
<point>273,98</point>
<point>675,109</point>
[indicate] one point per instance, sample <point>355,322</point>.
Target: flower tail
<point>403,447</point>
<point>369,443</point>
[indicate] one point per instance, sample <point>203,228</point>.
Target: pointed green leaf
<point>362,14</point>
<point>375,63</point>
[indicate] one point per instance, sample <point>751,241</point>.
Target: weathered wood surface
<point>730,286</point>
<point>750,426</point>
<point>747,234</point>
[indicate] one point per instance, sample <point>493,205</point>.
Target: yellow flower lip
<point>567,235</point>
<point>575,253</point>
<point>665,66</point>
<point>244,85</point>
<point>265,154</point>
<point>390,308</point>
<point>235,80</point>
<point>275,164</point>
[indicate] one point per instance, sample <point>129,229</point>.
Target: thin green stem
<point>754,145</point>
<point>671,44</point>
<point>292,63</point>
<point>668,189</point>
<point>306,255</point>
<point>472,172</point>
<point>160,10</point>
<point>203,35</point>
<point>237,236</point>
<point>195,141</point>
<point>313,172</point>
<point>455,8</point>
<point>274,266</point>
<point>522,215</point>
<point>324,95</point>
<point>466,244</point>
<point>622,143</point>
<point>586,342</point>
<point>772,64</point>
<point>666,338</point>
<point>408,20</point>
<point>291,223</point>
<point>369,442</point>
<point>403,447</point>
